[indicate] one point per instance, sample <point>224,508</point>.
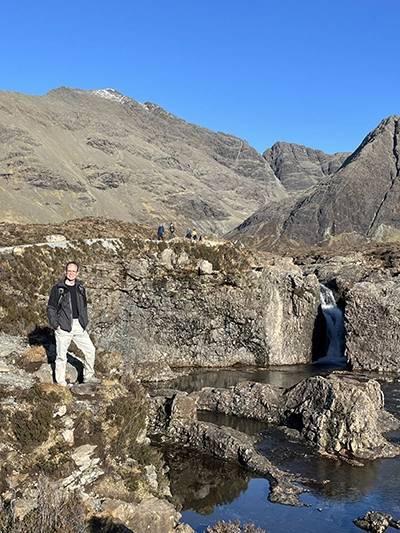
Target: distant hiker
<point>67,314</point>
<point>171,230</point>
<point>188,233</point>
<point>160,232</point>
<point>194,235</point>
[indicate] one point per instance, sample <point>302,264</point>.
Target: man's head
<point>71,271</point>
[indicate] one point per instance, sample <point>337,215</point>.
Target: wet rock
<point>376,522</point>
<point>179,427</point>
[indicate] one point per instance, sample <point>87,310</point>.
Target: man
<point>67,314</point>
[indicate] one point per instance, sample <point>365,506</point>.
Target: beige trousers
<point>83,342</point>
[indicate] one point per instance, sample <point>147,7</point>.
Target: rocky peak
<point>358,203</point>
<point>387,129</point>
<point>299,167</point>
<point>111,94</point>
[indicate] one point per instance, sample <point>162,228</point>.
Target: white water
<point>335,335</point>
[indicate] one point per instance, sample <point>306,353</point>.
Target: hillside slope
<point>72,154</point>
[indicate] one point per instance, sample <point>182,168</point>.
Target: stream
<point>210,490</point>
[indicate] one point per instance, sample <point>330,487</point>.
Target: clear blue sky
<point>320,73</point>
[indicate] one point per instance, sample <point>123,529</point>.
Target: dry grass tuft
<point>35,354</point>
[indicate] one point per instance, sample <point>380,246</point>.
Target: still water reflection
<point>279,376</point>
<point>210,490</point>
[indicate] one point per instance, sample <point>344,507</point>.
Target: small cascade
<point>335,334</point>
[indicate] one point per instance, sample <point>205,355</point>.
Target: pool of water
<point>211,490</point>
<point>279,376</point>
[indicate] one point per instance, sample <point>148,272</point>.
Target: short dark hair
<point>72,263</point>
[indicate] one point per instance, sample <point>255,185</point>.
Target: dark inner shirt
<point>72,291</point>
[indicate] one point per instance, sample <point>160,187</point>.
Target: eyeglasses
<point>72,271</point>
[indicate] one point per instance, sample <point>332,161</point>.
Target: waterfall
<point>335,335</point>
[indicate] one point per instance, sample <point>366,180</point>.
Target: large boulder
<point>341,415</point>
<point>151,514</point>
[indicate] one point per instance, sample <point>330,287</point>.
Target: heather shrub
<point>126,417</point>
<point>32,423</point>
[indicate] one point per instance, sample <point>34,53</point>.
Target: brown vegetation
<point>28,273</point>
<point>234,527</point>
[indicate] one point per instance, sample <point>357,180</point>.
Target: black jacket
<point>59,307</point>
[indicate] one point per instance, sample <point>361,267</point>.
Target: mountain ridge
<point>358,203</point>
<point>72,154</point>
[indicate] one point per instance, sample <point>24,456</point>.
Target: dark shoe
<point>93,380</point>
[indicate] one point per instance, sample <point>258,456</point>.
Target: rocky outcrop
<point>376,522</point>
<point>151,514</point>
<point>88,443</point>
<point>336,414</point>
<point>206,304</point>
<point>298,167</point>
<point>259,401</point>
<point>263,316</point>
<point>372,321</point>
<point>173,418</point>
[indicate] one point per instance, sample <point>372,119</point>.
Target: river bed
<point>210,490</point>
